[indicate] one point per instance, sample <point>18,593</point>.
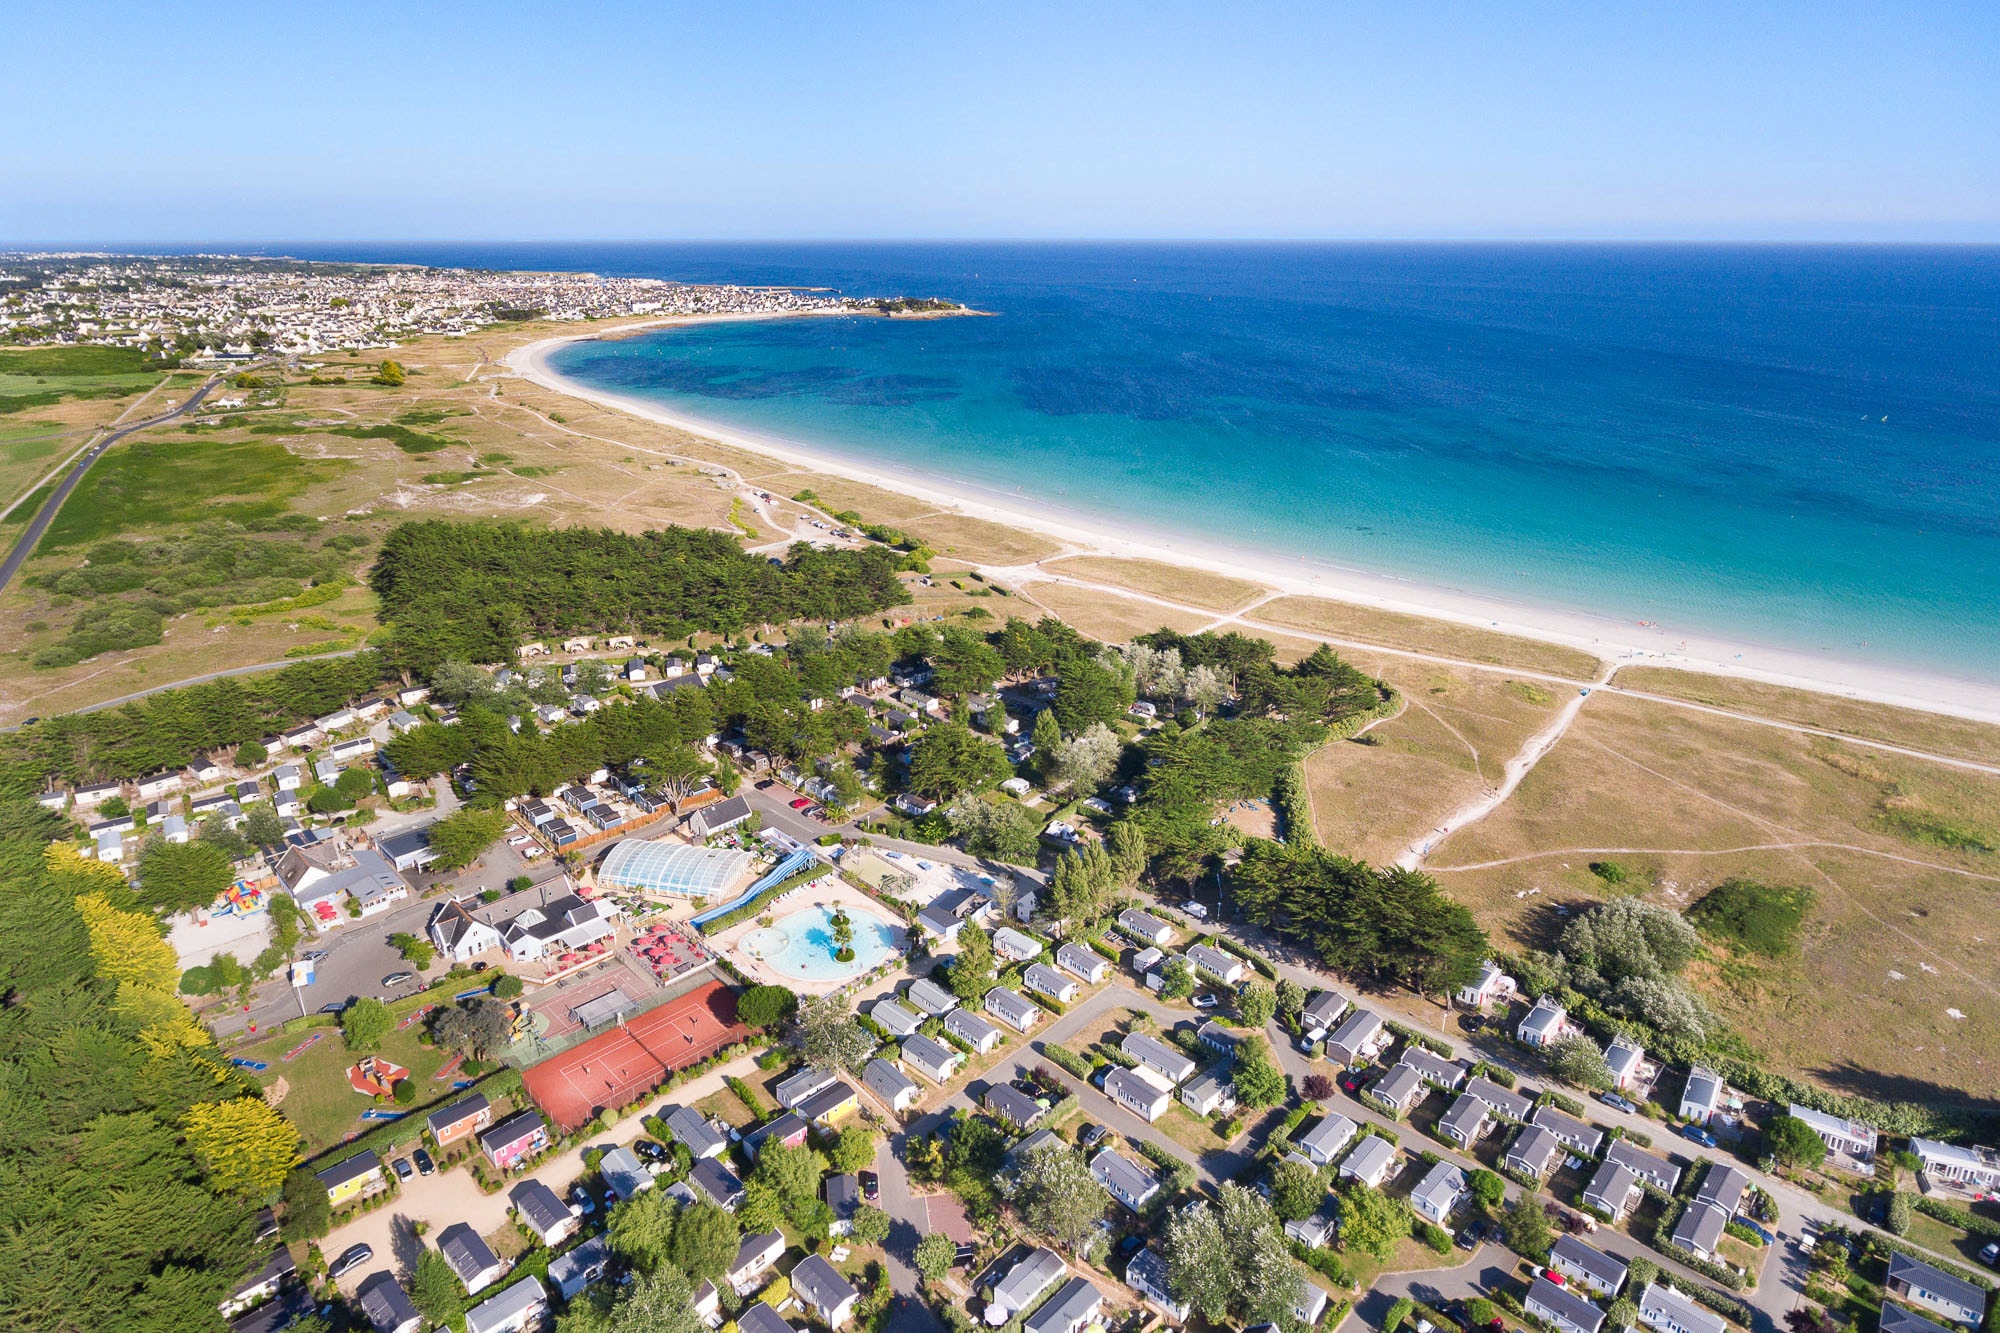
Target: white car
<point>1195,910</point>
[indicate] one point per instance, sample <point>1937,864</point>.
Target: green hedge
<point>755,905</point>
<point>1070,1060</point>
<point>1432,1044</point>
<point>1962,1218</point>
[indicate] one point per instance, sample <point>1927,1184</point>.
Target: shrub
<point>1435,1237</point>
<point>1759,918</point>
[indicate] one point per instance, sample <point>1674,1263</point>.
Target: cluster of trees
<point>476,591</point>
<point>1394,924</point>
<point>1055,1194</point>
<point>1230,1260</point>
<point>168,729</point>
<point>1088,879</point>
<point>1627,956</point>
<point>135,1157</point>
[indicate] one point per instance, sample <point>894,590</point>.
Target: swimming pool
<point>800,945</point>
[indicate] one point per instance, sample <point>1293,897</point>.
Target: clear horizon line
<point>223,246</point>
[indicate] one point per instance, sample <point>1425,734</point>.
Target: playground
<point>635,1055</point>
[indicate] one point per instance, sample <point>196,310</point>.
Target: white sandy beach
<point>1616,641</point>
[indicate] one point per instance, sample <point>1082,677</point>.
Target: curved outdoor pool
<point>800,945</point>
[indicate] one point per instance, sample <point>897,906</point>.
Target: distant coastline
<point>1615,641</point>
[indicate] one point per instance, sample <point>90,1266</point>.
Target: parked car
<point>1696,1134</point>
<point>1617,1103</point>
<point>801,803</point>
<point>1757,1229</point>
<point>1206,1000</point>
<point>403,1168</point>
<point>1467,1240</point>
<point>764,784</point>
<point>350,1259</point>
<point>1090,1136</point>
<point>581,1198</point>
<point>1351,1082</point>
<point>1557,1278</point>
<point>425,1166</point>
<point>399,978</point>
<point>1990,1256</point>
<point>334,1008</point>
<point>1196,910</point>
<point>651,1151</point>
<point>871,1186</point>
<point>313,956</point>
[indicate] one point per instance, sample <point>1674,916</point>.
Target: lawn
<point>1189,1130</point>
<point>317,1096</point>
<point>153,483</point>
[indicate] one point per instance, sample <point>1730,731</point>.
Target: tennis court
<point>615,1067</point>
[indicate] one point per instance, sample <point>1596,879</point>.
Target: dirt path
<point>1713,851</point>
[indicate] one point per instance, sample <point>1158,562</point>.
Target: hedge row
<point>1962,1218</point>
<point>1435,1045</point>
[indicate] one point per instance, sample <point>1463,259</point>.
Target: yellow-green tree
<point>245,1144</point>
<point>390,373</point>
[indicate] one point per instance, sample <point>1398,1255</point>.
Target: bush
<point>1758,918</point>
<point>1897,1220</point>
<point>250,754</point>
<point>1435,1237</point>
<point>506,987</point>
<point>406,1092</point>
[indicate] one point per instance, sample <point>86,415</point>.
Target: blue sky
<point>751,120</point>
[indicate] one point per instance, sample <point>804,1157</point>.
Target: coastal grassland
<point>838,493</point>
<point>156,481</point>
<point>31,453</point>
<point>1457,728</point>
<point>1391,629</point>
<point>1194,587</point>
<point>1900,933</point>
<point>1958,737</point>
<point>978,540</point>
<point>1106,616</point>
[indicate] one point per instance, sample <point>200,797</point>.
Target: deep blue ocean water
<point>1791,446</point>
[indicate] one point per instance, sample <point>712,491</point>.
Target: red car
<point>801,803</point>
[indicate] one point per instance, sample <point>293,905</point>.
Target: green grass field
<point>318,1098</point>
<point>148,483</point>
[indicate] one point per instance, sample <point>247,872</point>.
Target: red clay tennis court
<point>615,1067</point>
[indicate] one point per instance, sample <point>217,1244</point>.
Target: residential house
<point>1546,1024</point>
<point>890,1085</point>
<point>821,1289</point>
<point>1625,1058</point>
<point>580,1267</point>
<point>716,1183</point>
<point>1218,1038</point>
<point>1532,1152</point>
<point>1144,927</point>
<point>410,849</point>
<point>402,720</point>
<point>1070,1310</point>
<point>1852,1139</point>
<point>1147,1275</point>
<point>519,1306</point>
<point>787,1127</point>
<point>1223,966</point>
<point>1588,1267</point>
<point>1936,1290</point>
<point>1699,1230</point>
<point>940,923</point>
<point>1309,1307</point>
<point>1579,1138</point>
<point>1087,965</point>
<point>757,1317</point>
<point>470,1257</point>
<point>916,807</point>
<point>1442,1074</point>
<point>971,1029</point>
<point>385,1306</point>
<point>1318,1229</point>
<point>691,1129</point>
<point>843,1196</point>
<point>1126,1181</point>
<point>1701,1096</point>
<point>1137,1094</point>
<point>1013,1008</point>
<point>95,793</point>
<point>1667,1311</point>
<point>1326,1141</point>
<point>462,1119</point>
<point>1210,1093</point>
<point>1323,1009</point>
<point>1895,1319</point>
<point>628,1177</point>
<point>937,1063</point>
<point>1358,1039</point>
<point>1398,1090</point>
<point>1045,980</point>
<point>795,1088</point>
<point>894,1019</point>
<point>352,1178</point>
<point>271,1276</point>
<point>520,1136</point>
<point>830,1105</point>
<point>1561,1308</point>
<point>562,926</point>
<point>1015,947</point>
<point>1024,1283</point>
<point>754,1257</point>
<point>1465,1121</point>
<point>542,1212</point>
<point>458,934</point>
<point>930,998</point>
<point>712,819</point>
<point>347,751</point>
<point>1152,1053</point>
<point>1612,1190</point>
<point>1503,1102</point>
<point>1370,1161</point>
<point>1971,1169</point>
<point>1650,1168</point>
<point>1013,1106</point>
<point>1724,1186</point>
<point>158,784</point>
<point>289,777</point>
<point>1438,1195</point>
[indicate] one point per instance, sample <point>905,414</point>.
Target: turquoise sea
<point>1797,447</point>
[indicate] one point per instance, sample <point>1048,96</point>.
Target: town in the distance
<point>642,931</point>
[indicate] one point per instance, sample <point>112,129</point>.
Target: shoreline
<point>1617,643</point>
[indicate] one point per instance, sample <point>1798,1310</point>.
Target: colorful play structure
<point>373,1076</point>
<point>242,899</point>
<point>302,1047</point>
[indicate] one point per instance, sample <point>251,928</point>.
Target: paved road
<point>40,523</point>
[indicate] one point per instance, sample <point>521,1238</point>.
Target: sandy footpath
<point>1616,641</point>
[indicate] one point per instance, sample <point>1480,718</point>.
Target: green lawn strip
<point>148,484</point>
